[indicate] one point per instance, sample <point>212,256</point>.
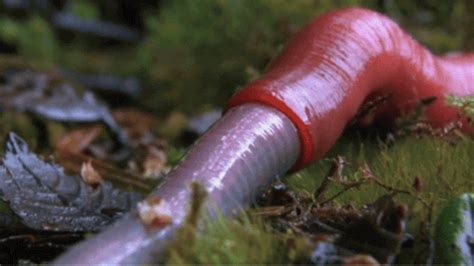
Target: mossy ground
<point>445,171</point>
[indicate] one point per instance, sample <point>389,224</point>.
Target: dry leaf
<point>90,175</point>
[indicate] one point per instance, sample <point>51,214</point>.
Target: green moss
<point>226,241</point>
<point>174,155</point>
<point>445,171</point>
<point>238,241</point>
<point>34,38</point>
<point>442,26</point>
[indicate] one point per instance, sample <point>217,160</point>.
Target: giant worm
<point>290,117</point>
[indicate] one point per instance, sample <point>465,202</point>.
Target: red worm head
<point>339,60</point>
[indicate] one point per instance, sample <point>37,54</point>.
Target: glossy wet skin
<point>334,63</point>
<point>234,161</point>
<point>317,84</point>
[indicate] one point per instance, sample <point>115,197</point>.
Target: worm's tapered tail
<point>292,115</point>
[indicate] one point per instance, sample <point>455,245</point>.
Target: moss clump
<point>246,240</point>
<point>226,241</point>
<point>443,171</point>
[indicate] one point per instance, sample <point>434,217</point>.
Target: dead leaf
<point>140,126</point>
<point>73,161</point>
<point>46,198</point>
<point>155,164</point>
<point>90,175</point>
<point>79,139</point>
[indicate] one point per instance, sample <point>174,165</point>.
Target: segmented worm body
<point>342,58</point>
<point>237,158</point>
<point>291,116</point>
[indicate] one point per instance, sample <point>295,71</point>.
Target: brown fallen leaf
<point>139,125</point>
<point>73,162</point>
<point>77,140</point>
<point>155,164</point>
<point>90,175</point>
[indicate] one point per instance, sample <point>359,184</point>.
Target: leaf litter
<point>44,197</point>
<point>46,209</point>
<point>39,93</point>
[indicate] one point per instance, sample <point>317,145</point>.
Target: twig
<point>337,167</point>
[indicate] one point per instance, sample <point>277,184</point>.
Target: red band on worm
<point>263,97</point>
